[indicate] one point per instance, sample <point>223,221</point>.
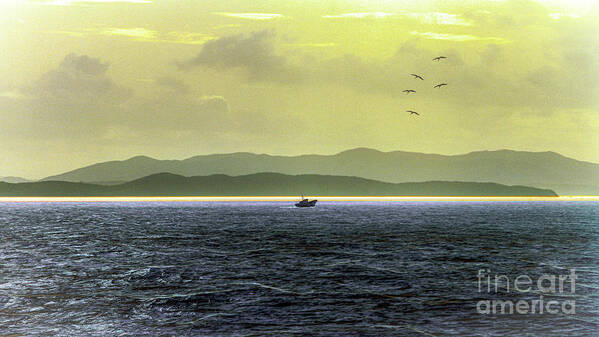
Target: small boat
<point>306,203</point>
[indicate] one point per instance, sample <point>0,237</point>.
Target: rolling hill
<point>265,184</point>
<point>541,169</point>
<point>14,180</point>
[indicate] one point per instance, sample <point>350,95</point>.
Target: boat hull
<point>306,203</point>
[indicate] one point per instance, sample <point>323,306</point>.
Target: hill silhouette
<point>540,169</point>
<point>14,180</point>
<point>265,184</point>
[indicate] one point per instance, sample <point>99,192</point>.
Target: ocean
<point>402,268</point>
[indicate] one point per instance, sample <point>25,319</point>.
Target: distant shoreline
<point>267,185</point>
<point>295,198</point>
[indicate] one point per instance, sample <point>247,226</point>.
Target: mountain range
<point>14,180</point>
<point>265,184</point>
<point>550,170</point>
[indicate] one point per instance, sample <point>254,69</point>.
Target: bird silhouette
<point>407,91</point>
<point>417,76</point>
<point>438,58</point>
<point>412,112</point>
<point>439,85</point>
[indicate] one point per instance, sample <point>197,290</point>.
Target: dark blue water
<point>266,269</point>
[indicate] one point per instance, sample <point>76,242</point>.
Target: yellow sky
<point>89,81</point>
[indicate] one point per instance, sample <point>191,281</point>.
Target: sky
<point>89,81</point>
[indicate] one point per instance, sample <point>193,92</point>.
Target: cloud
<point>66,32</point>
<point>313,44</point>
<point>78,101</point>
<point>137,33</point>
<point>439,18</point>
<point>490,71</point>
<point>141,34</point>
<point>183,38</point>
<point>557,16</point>
<point>227,26</point>
<point>84,64</point>
<point>510,16</point>
<point>363,15</point>
<point>252,16</point>
<point>173,84</point>
<point>78,77</point>
<point>77,2</point>
<point>213,104</point>
<point>253,53</point>
<point>74,101</point>
<point>458,37</point>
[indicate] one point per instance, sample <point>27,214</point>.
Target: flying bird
<point>417,76</point>
<point>438,58</point>
<point>439,85</point>
<point>412,112</point>
<point>407,91</point>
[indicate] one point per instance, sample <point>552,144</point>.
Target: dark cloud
<point>253,53</point>
<point>173,84</point>
<point>78,77</point>
<point>84,64</point>
<point>76,101</point>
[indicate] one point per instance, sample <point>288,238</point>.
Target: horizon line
<point>295,198</point>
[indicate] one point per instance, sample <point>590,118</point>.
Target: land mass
<point>548,170</point>
<point>266,184</point>
<point>14,180</point>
